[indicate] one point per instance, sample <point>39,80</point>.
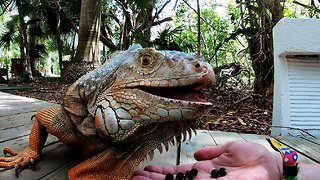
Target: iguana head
<point>140,88</point>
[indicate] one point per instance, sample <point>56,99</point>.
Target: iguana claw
<point>17,171</point>
<point>18,160</point>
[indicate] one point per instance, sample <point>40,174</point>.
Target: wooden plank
<point>312,140</point>
<point>12,104</point>
<point>53,157</point>
<point>7,96</point>
<point>201,139</point>
<point>221,137</point>
<point>62,172</point>
<point>303,146</point>
<point>16,120</point>
<point>11,98</point>
<point>261,139</point>
<point>22,142</point>
<point>16,144</point>
<point>6,110</point>
<point>12,133</point>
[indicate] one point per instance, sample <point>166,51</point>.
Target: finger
<point>205,166</point>
<point>154,168</point>
<point>209,152</point>
<point>140,178</point>
<point>168,169</point>
<point>160,169</point>
<point>147,175</point>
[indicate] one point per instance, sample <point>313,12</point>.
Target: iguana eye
<point>146,60</point>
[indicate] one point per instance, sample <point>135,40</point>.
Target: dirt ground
<point>233,110</point>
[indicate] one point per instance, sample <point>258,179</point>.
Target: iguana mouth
<point>191,93</point>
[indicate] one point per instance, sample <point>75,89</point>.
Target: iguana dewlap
<point>121,112</point>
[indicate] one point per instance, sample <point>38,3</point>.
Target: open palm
<point>242,160</point>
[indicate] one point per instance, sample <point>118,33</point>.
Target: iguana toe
<point>18,159</point>
<point>10,151</point>
<point>10,162</point>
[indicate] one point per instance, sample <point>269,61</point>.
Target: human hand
<point>242,160</point>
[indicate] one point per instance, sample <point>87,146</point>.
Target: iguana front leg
<point>54,121</point>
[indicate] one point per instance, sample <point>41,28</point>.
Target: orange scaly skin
<point>121,112</point>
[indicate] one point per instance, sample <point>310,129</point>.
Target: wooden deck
<point>57,158</point>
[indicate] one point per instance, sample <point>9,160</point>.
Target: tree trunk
<point>32,42</point>
<point>89,32</point>
<point>24,50</point>
<point>33,61</point>
<point>261,44</point>
<point>59,42</point>
<point>199,30</point>
<point>87,53</point>
<point>58,34</point>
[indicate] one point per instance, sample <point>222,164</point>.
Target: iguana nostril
<point>197,66</point>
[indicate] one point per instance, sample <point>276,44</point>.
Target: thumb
<point>209,152</point>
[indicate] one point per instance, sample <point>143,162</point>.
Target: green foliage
<point>6,39</point>
<point>36,31</point>
<point>314,12</point>
<point>9,32</point>
<point>140,5</point>
<point>294,10</point>
<point>222,36</point>
<point>38,51</point>
<point>165,39</point>
<point>55,64</point>
<point>214,30</point>
<point>71,8</point>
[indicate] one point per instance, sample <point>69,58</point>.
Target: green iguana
<point>121,112</point>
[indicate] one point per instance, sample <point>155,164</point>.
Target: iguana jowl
<point>121,112</point>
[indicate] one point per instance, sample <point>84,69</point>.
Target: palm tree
<point>89,32</point>
<point>87,52</point>
<point>48,21</point>
<point>138,18</point>
<point>22,28</point>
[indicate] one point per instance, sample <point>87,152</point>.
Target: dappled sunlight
<point>12,104</point>
<point>5,97</point>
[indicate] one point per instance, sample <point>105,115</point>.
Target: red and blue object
<point>289,158</point>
